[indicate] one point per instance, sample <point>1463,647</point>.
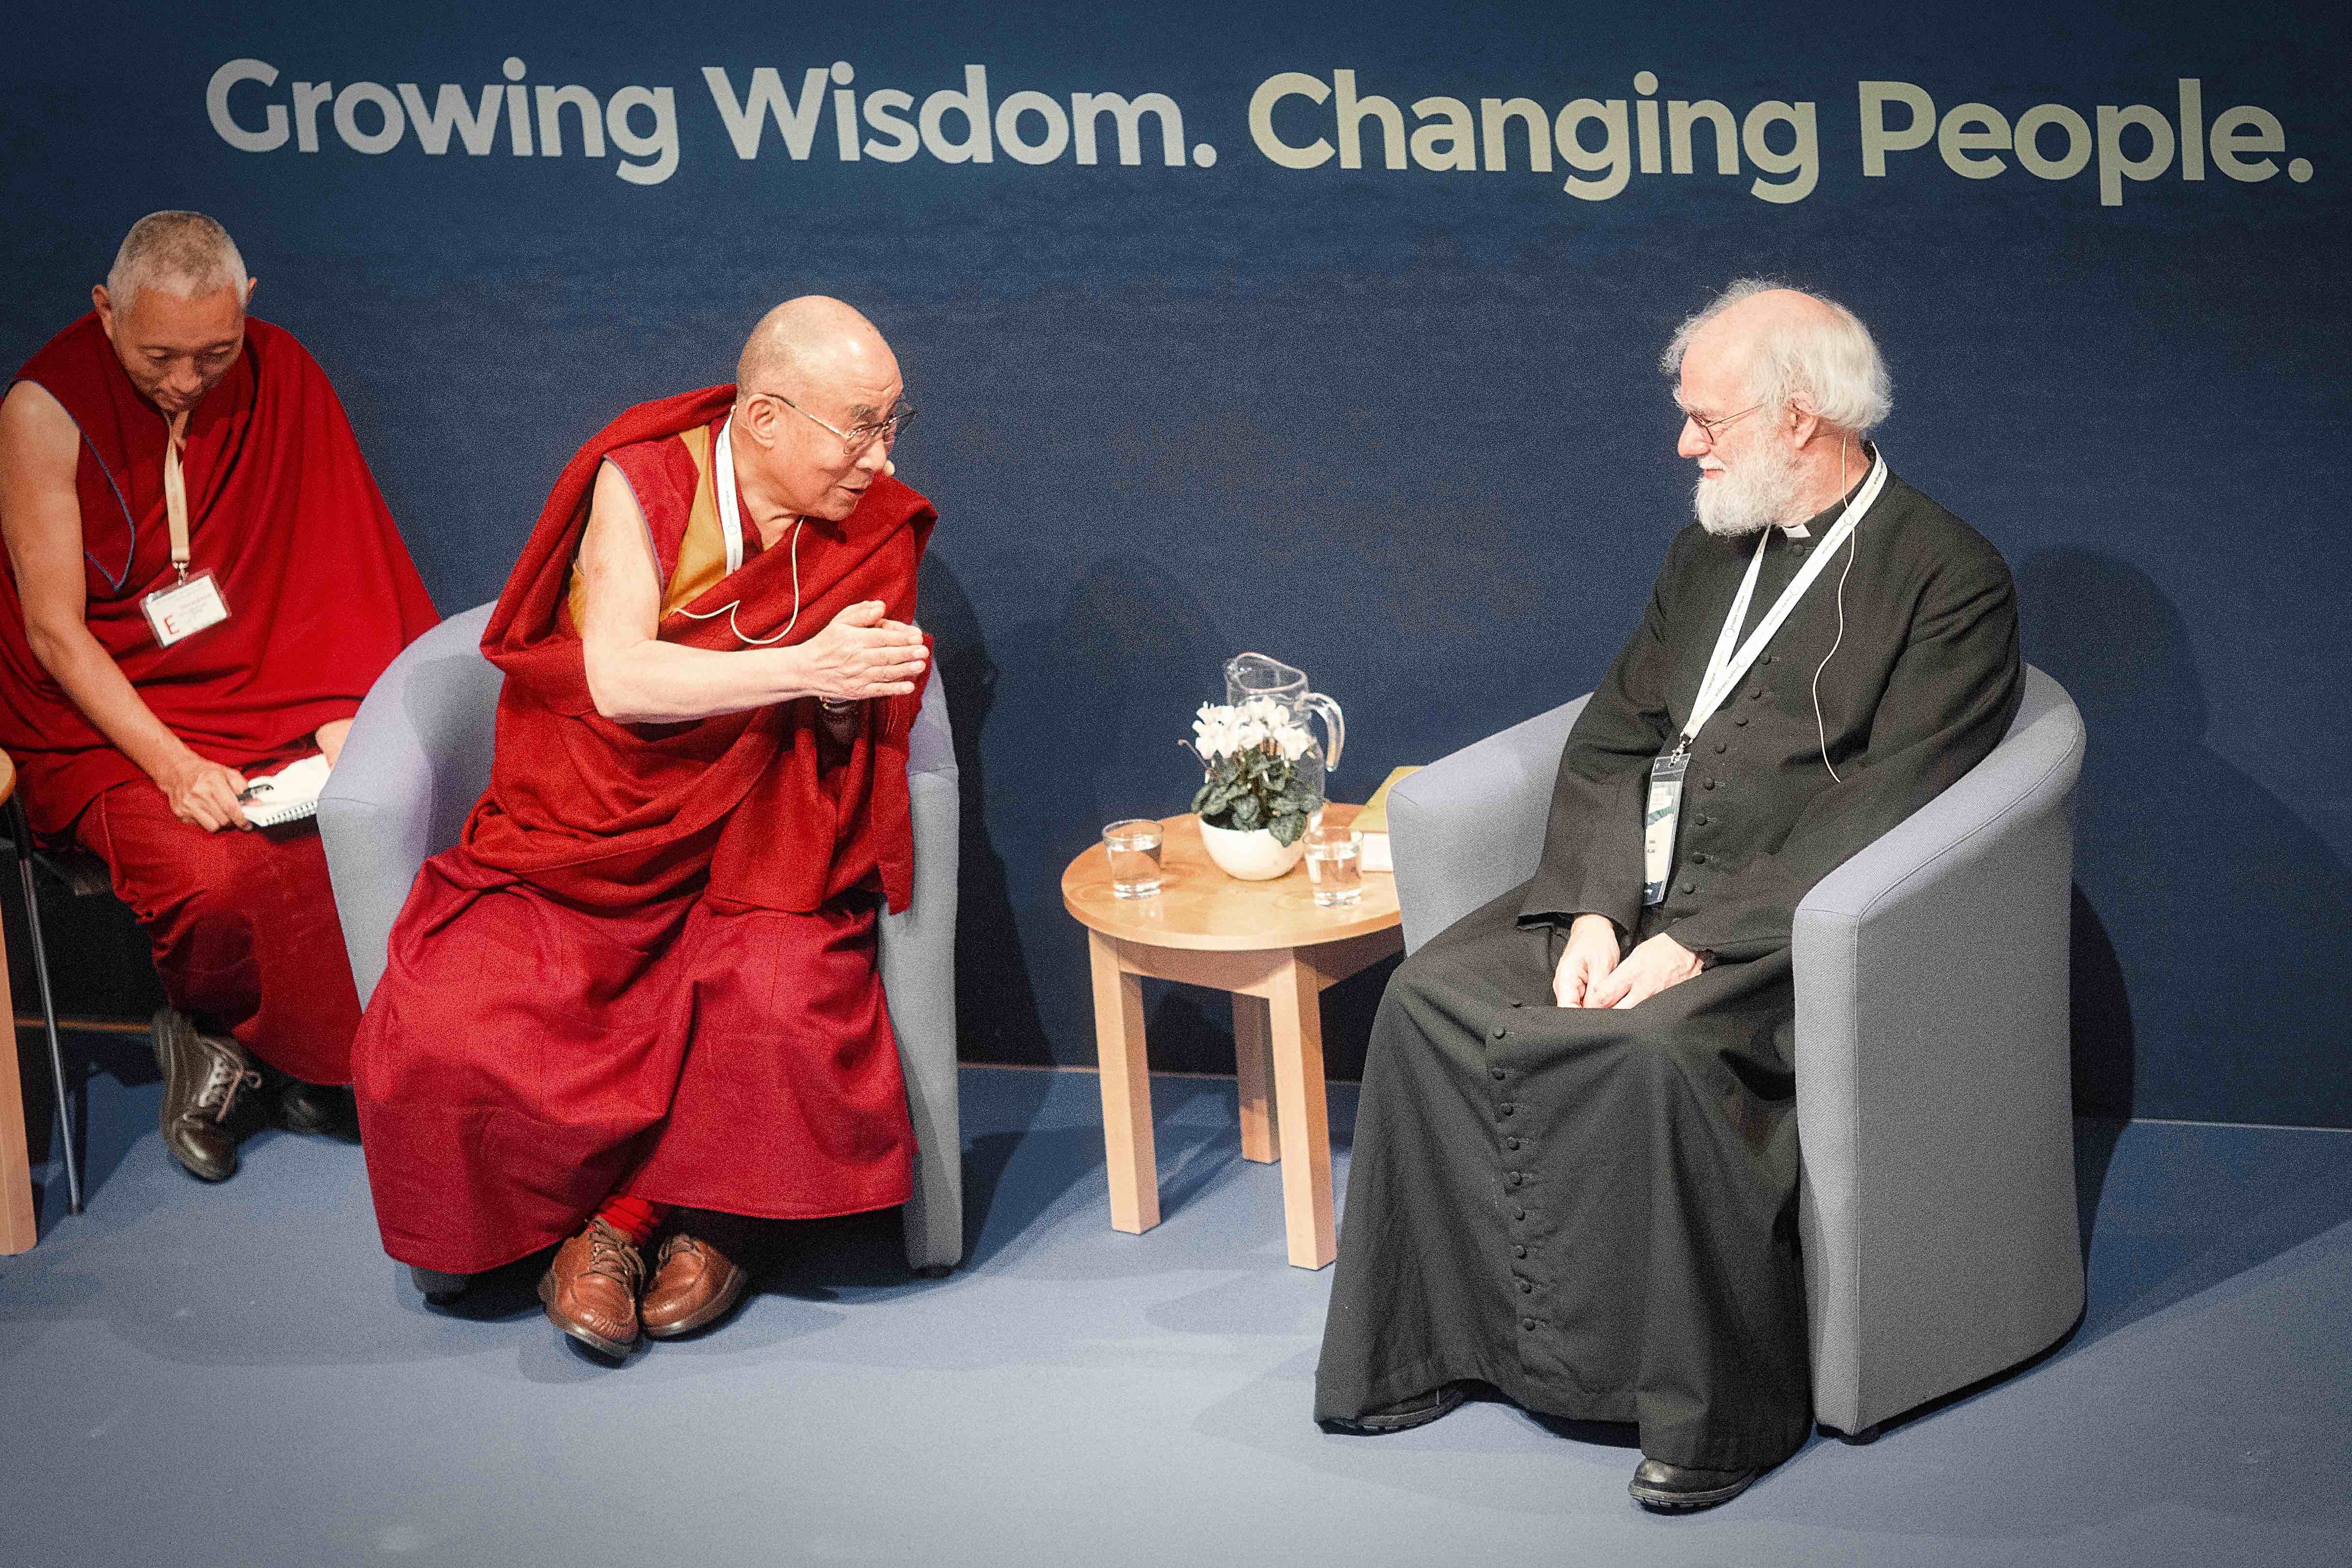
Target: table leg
<point>1126,1091</point>
<point>18,1227</point>
<point>1302,1109</point>
<point>1253,1071</point>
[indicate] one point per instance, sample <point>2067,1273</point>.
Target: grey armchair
<point>1936,1204</point>
<point>419,756</point>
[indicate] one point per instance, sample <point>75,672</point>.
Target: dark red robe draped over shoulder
<point>284,513</point>
<point>650,958</point>
<point>281,509</point>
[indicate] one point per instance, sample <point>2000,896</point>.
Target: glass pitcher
<point>1252,677</point>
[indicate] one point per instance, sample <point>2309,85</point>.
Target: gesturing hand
<point>1649,969</point>
<point>1590,954</point>
<point>863,653</point>
<point>204,794</point>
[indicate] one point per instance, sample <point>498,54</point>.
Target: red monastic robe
<point>283,511</point>
<point>650,958</point>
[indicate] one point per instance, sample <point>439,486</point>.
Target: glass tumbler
<point>1133,846</point>
<point>1335,864</point>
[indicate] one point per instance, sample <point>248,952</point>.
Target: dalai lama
<point>201,584</point>
<point>639,998</point>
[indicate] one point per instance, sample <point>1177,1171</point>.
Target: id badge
<point>185,608</point>
<point>1658,825</point>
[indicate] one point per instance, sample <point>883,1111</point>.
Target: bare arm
<point>41,515</point>
<point>635,678</point>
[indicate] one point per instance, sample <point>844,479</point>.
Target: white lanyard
<point>1732,658</point>
<point>175,492</point>
<point>722,479</point>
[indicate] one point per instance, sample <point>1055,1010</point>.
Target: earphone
<point>1821,727</point>
<point>728,609</point>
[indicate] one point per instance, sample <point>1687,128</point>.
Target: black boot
<point>202,1075</point>
<point>1679,1489</point>
<point>325,1110</point>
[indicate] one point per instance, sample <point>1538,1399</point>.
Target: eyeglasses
<point>858,438</point>
<point>1711,428</point>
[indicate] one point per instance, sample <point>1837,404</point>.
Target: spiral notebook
<point>290,794</point>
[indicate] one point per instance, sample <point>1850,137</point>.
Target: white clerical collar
<point>1797,531</point>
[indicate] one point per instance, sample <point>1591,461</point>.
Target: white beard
<point>1760,494</point>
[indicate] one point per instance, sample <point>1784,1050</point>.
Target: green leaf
<point>1286,827</point>
<point>1247,813</point>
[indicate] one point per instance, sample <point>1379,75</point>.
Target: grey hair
<point>183,253</point>
<point>1832,367</point>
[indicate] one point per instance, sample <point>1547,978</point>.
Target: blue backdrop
<point>1306,356</point>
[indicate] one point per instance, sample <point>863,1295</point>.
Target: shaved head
<point>817,406</point>
<point>813,338</point>
<point>184,254</point>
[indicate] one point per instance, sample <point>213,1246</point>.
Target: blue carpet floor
<point>235,1375</point>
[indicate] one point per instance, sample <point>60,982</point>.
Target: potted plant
<point>1254,805</point>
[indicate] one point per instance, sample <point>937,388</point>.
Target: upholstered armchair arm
<point>1470,825</point>
<point>413,764</point>
<point>918,963</point>
<point>1932,1083</point>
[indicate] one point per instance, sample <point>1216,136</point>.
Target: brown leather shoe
<point>694,1284</point>
<point>202,1075</point>
<point>591,1288</point>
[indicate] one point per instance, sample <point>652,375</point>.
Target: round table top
<point>1200,908</point>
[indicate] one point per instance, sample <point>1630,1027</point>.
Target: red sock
<point>633,1216</point>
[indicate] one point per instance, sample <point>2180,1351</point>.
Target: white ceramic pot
<point>1252,856</point>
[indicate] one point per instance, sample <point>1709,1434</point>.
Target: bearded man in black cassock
<point>1575,1167</point>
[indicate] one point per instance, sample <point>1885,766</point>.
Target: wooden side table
<point>1271,947</point>
<point>18,1230</point>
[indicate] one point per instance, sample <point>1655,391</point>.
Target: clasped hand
<point>204,794</point>
<point>1591,975</point>
<point>864,654</point>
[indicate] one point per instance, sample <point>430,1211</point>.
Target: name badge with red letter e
<point>185,608</point>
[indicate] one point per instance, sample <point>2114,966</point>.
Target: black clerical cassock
<point>1594,1211</point>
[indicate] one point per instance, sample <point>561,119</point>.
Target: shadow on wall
<point>1098,691</point>
<point>1111,680</point>
<point>2209,981</point>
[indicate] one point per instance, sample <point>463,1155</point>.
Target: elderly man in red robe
<point>201,583</point>
<point>640,992</point>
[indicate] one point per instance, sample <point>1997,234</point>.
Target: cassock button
<point>1518,1003</point>
<point>1698,856</point>
<point>1518,1213</point>
<point>1510,1143</point>
<point>1766,660</point>
<point>1690,886</point>
<point>1528,1324</point>
<point>1518,1252</point>
<point>1721,747</point>
<point>1500,1031</point>
<point>1508,1106</point>
<point>1518,1178</point>
<point>1740,719</point>
<point>1757,695</point>
<point>1699,821</point>
<point>1497,1073</point>
<point>1710,783</point>
<point>1526,1286</point>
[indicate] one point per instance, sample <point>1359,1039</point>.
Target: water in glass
<point>1335,864</point>
<point>1134,850</point>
